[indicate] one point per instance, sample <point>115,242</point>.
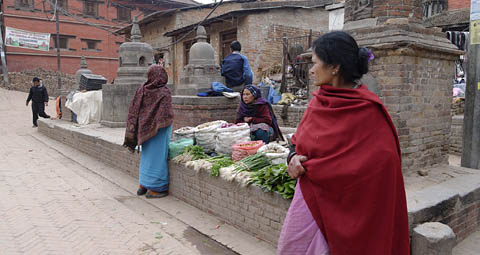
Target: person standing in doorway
<point>236,69</point>
<point>39,96</point>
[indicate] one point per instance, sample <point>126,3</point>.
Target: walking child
<point>39,96</point>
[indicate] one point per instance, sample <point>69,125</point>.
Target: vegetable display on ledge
<point>274,178</point>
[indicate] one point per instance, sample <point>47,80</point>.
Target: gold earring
<point>333,73</point>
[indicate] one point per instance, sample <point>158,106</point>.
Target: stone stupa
<point>134,60</point>
<point>201,70</point>
<point>83,70</point>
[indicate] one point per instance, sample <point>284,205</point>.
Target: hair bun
<point>363,58</point>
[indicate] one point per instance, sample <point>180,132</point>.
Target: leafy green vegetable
<point>219,163</point>
<point>274,178</point>
<point>195,151</point>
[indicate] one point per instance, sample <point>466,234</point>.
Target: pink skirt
<point>300,233</point>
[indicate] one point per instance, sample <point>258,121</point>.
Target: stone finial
<point>136,34</point>
<point>83,63</point>
<point>201,34</point>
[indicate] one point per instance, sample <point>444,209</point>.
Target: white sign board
<point>26,39</point>
<point>475,10</point>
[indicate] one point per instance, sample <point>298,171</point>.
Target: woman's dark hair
<point>236,46</point>
<point>339,48</point>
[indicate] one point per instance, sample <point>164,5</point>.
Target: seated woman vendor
<point>258,113</point>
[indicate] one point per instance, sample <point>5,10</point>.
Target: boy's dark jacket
<point>38,94</point>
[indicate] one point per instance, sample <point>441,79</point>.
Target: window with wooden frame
<point>63,41</point>
<point>186,50</point>
<point>24,4</point>
<point>433,7</point>
<point>124,14</point>
<point>90,8</point>
<point>91,45</point>
<point>226,38</point>
<point>63,4</point>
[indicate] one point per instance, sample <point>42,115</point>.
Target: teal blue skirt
<point>154,161</point>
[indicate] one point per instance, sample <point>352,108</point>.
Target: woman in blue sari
<point>149,125</point>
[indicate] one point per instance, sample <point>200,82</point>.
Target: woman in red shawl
<point>350,197</point>
<point>149,124</point>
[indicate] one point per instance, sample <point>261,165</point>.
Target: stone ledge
<point>448,203</point>
<point>195,100</point>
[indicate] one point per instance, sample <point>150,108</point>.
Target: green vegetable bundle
<point>252,163</point>
<point>195,151</point>
<point>219,162</point>
<point>274,178</point>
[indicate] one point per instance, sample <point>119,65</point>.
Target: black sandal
<point>153,194</point>
<point>141,191</point>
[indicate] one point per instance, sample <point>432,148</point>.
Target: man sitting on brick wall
<point>236,69</point>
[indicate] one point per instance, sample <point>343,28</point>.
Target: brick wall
<point>263,34</point>
<point>109,152</point>
<point>248,208</point>
<point>414,91</point>
<point>192,111</point>
<point>386,9</point>
<point>22,81</point>
<point>456,135</point>
<point>458,4</point>
<point>465,220</point>
<point>290,117</point>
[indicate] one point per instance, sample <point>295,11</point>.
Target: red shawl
<point>353,183</point>
<point>150,108</point>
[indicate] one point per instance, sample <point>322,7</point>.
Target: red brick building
<point>86,29</point>
<point>458,4</point>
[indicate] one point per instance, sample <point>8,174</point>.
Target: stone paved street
<point>47,208</point>
<point>50,204</point>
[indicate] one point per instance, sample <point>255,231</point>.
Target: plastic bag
<point>275,152</point>
<point>184,132</point>
<point>228,136</point>
<point>241,150</point>
<point>176,148</point>
<point>205,134</point>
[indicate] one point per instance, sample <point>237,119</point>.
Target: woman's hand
<point>295,168</point>
<point>247,119</point>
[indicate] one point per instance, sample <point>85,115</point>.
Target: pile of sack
<point>225,138</point>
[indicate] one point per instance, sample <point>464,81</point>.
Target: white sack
<point>275,152</point>
<point>205,134</point>
<point>87,106</point>
<point>184,132</point>
<point>227,137</point>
